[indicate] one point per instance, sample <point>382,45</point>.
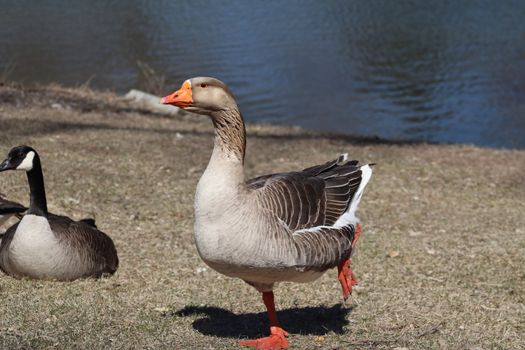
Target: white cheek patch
<point>27,163</point>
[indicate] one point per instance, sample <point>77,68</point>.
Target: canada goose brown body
<point>281,227</point>
<point>48,246</point>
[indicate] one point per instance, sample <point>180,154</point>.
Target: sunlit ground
<point>440,261</point>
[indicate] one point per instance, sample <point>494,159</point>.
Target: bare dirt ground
<point>441,261</point>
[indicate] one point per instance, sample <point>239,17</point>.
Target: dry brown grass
<point>149,80</point>
<point>440,263</point>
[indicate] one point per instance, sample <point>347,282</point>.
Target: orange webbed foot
<point>346,278</point>
<point>276,340</point>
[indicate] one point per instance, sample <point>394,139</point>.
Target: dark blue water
<point>440,71</point>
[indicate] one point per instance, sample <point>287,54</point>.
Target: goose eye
<point>204,85</point>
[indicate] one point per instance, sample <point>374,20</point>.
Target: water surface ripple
<point>440,71</point>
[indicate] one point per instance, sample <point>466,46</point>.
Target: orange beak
<point>181,98</point>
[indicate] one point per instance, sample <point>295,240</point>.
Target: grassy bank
<point>440,263</point>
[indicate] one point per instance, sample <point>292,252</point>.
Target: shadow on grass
<point>219,322</point>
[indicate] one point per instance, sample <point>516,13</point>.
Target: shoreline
<point>143,100</point>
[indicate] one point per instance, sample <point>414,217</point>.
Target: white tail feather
<point>349,217</point>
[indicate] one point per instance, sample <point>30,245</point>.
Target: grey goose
<point>280,227</point>
<point>48,246</point>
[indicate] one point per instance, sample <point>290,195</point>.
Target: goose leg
<point>357,234</point>
<point>277,339</point>
<point>344,271</point>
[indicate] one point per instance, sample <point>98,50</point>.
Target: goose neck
<point>230,134</point>
<point>37,196</point>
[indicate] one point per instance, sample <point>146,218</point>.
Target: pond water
<point>440,71</point>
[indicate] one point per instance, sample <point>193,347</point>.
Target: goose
<point>281,227</point>
<point>48,246</point>
<point>9,208</point>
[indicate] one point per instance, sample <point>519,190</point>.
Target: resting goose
<point>281,227</point>
<point>47,246</point>
<point>8,209</point>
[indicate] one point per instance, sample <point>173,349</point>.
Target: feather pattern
<point>309,203</point>
<point>315,196</point>
<point>93,245</point>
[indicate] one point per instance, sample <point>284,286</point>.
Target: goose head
<point>202,95</point>
<point>19,158</point>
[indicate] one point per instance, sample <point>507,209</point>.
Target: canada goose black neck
<point>37,197</point>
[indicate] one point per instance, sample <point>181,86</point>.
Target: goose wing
<point>6,239</point>
<point>9,207</point>
<point>310,203</point>
<point>86,238</point>
<point>316,196</point>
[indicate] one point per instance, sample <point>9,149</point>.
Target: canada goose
<point>280,227</point>
<point>9,208</point>
<point>48,246</point>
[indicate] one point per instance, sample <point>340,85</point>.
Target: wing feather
<point>315,196</point>
<point>309,203</point>
<point>8,207</point>
<point>324,247</point>
<point>92,243</point>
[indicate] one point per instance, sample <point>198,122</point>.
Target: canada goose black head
<point>19,158</point>
<point>25,158</point>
